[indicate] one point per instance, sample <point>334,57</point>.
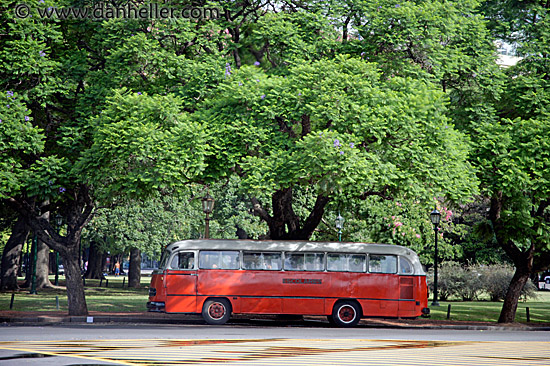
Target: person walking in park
<point>117,269</point>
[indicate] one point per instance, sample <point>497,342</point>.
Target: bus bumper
<point>155,306</point>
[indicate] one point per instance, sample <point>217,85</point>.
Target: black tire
<point>216,311</point>
<point>346,314</point>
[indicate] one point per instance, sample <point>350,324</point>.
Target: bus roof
<point>289,246</point>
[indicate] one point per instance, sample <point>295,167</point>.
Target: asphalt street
<point>265,343</point>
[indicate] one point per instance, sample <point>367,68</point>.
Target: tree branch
<point>260,211</point>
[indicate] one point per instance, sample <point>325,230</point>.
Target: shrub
<point>496,280</point>
<point>467,282</point>
<point>457,280</point>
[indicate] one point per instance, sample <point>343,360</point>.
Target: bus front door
<point>181,285</point>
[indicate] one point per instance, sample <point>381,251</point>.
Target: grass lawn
<point>116,298</point>
<point>487,311</point>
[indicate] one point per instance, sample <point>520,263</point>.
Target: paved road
<point>264,344</point>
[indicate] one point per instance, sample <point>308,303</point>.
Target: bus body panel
<point>259,294</point>
<point>407,304</point>
<point>288,291</point>
<point>254,290</point>
<point>304,292</point>
<point>377,293</point>
<point>157,292</point>
<point>181,291</point>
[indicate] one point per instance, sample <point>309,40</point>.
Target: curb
<point>41,320</point>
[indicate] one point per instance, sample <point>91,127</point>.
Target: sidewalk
<point>41,318</point>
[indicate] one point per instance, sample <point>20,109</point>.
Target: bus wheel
<point>346,314</point>
<point>216,311</point>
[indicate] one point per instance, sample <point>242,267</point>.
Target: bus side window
<point>294,261</point>
<point>383,263</point>
<point>314,261</point>
<point>357,263</point>
<point>262,260</point>
<point>336,262</point>
<point>175,262</point>
<point>216,259</point>
<point>230,259</point>
<point>405,266</point>
<point>272,261</point>
<point>186,260</point>
<point>251,260</point>
<point>208,259</point>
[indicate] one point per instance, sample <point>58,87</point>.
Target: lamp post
<point>435,216</point>
<point>207,208</point>
<point>339,226</point>
<point>58,222</point>
<point>34,255</point>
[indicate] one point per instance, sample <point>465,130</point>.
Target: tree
<point>514,156</point>
<point>56,74</point>
<point>338,126</point>
<point>512,152</point>
<point>11,255</point>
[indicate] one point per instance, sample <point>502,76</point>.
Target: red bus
<point>344,281</point>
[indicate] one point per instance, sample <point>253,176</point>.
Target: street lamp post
<point>58,222</point>
<point>339,226</point>
<point>435,217</point>
<point>34,258</point>
<point>207,208</point>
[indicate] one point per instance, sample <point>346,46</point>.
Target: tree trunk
<point>75,288</point>
<point>285,224</point>
<point>43,266</point>
<point>43,259</point>
<point>12,254</point>
<point>523,260</point>
<point>509,308</point>
<point>95,262</point>
<point>134,271</point>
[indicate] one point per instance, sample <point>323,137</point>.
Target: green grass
<point>488,311</point>
<point>116,298</point>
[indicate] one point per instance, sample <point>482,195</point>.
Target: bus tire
<point>216,311</point>
<point>346,313</point>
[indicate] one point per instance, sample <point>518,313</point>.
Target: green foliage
<point>514,158</point>
<point>445,42</point>
<point>293,38</point>
<point>470,282</point>
<point>374,120</point>
<point>142,144</point>
<point>339,126</point>
<point>19,140</point>
<point>152,223</point>
<point>457,280</point>
<point>497,278</point>
<point>232,212</point>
